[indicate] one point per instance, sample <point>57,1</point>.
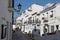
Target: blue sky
<point>26,3</point>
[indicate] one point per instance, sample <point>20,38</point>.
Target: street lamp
<point>19,6</point>
<point>12,9</point>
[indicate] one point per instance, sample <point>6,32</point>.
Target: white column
<point>54,27</point>
<point>49,28</point>
<point>41,30</point>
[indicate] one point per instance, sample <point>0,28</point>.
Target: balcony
<point>45,21</point>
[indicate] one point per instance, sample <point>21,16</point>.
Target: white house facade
<point>40,20</point>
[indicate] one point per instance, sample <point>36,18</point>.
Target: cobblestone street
<point>19,36</point>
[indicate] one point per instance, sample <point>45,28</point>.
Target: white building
<point>45,19</point>
<point>5,20</point>
<point>26,14</point>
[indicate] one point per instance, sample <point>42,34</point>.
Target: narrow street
<point>19,36</point>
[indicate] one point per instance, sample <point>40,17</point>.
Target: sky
<point>27,3</point>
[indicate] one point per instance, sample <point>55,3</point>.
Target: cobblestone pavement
<point>37,37</point>
<point>19,36</point>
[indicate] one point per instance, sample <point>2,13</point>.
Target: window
<point>38,24</point>
<point>36,20</point>
<point>45,30</point>
<point>30,22</point>
<point>47,13</point>
<point>51,15</point>
<point>52,11</point>
<point>3,31</point>
<point>57,26</point>
<point>43,18</point>
<point>52,28</point>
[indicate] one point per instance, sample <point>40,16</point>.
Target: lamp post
<point>12,9</point>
